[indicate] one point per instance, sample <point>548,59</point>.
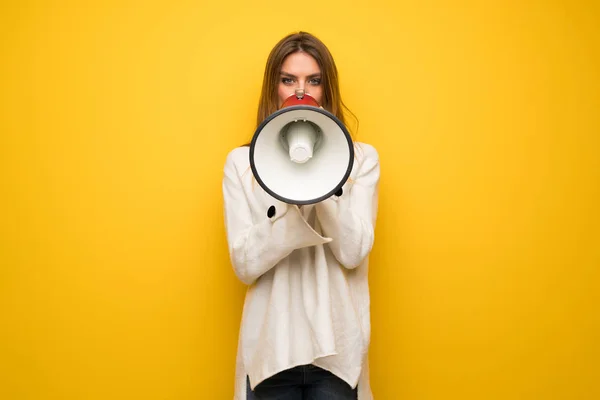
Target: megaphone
<point>301,154</point>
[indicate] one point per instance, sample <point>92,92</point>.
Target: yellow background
<point>115,120</point>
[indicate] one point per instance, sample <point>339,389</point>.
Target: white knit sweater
<point>307,269</point>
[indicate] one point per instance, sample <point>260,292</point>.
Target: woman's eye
<point>287,81</point>
<point>315,81</point>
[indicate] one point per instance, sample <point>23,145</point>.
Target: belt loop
<point>304,374</point>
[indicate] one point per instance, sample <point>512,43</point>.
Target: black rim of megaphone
<point>294,108</point>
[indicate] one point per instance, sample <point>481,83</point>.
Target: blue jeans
<point>305,382</point>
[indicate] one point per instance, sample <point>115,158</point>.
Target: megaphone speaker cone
<point>301,154</point>
<point>301,138</point>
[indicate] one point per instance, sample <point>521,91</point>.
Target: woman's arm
<point>350,218</point>
<point>256,247</point>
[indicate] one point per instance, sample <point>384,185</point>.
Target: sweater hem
<point>257,379</point>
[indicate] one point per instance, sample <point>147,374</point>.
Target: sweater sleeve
<point>257,246</point>
<point>349,219</point>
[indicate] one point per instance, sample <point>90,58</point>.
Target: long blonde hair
<point>305,42</point>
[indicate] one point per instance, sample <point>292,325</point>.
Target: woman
<point>305,327</point>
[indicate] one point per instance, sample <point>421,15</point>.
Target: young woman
<point>305,328</point>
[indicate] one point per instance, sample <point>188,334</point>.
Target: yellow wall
<point>115,120</point>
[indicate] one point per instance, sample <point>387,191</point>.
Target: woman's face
<point>299,71</point>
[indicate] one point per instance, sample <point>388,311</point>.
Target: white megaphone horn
<point>302,153</point>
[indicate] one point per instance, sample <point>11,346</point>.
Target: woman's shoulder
<point>365,151</point>
<point>238,156</point>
